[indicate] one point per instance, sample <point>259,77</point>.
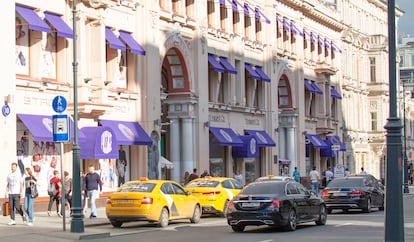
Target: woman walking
<point>29,182</point>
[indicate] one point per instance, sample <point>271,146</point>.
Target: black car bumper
<point>346,203</point>
<point>256,218</point>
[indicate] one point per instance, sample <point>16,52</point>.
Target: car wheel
<point>196,215</point>
<point>238,228</point>
<point>116,224</point>
<point>329,210</point>
<point>292,221</point>
<point>223,214</point>
<point>164,217</point>
<point>381,208</point>
<point>323,215</point>
<point>368,207</point>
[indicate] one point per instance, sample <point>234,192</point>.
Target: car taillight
<point>276,203</point>
<point>108,201</point>
<point>211,193</point>
<point>146,200</point>
<point>357,192</point>
<point>325,194</point>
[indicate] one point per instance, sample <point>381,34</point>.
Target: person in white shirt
<point>314,176</point>
<point>329,175</point>
<point>14,190</point>
<point>363,172</point>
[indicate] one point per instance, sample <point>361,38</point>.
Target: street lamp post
<point>394,212</point>
<point>77,225</point>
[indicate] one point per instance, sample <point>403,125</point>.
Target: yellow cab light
<point>270,176</point>
<point>207,178</point>
<point>108,201</point>
<point>143,178</point>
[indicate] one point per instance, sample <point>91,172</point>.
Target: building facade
<point>258,87</point>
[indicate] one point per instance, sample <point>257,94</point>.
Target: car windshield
<point>202,183</point>
<point>137,187</point>
<point>346,182</point>
<point>261,188</point>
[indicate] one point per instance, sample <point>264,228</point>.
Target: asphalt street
<point>352,226</point>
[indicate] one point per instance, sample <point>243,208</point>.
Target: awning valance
<point>249,149</point>
<point>99,143</point>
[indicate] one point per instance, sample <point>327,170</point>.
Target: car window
<point>227,184</point>
<point>291,189</point>
<point>237,185</point>
<point>167,188</point>
<point>177,189</point>
<point>301,189</point>
<point>260,188</point>
<point>346,182</point>
<point>137,187</point>
<point>202,183</point>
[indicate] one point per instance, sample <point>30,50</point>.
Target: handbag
<point>33,191</point>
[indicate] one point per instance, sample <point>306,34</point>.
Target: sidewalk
<point>50,228</point>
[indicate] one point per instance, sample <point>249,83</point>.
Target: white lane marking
<point>268,240</point>
<point>345,224</point>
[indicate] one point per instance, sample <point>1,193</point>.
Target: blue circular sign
<point>5,110</point>
<point>59,104</point>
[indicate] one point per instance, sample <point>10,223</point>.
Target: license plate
<point>339,194</point>
<point>124,202</point>
<point>250,205</point>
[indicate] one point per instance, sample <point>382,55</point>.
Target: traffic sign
<point>60,128</point>
<point>5,110</point>
<point>59,104</point>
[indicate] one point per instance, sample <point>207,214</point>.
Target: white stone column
<point>187,145</point>
<point>291,147</point>
<point>175,149</point>
<point>282,143</point>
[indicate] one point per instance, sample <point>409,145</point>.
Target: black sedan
<point>354,192</point>
<point>275,203</point>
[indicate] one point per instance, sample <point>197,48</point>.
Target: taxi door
<point>183,203</point>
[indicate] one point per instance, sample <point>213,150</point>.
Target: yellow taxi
<point>156,201</point>
<point>214,193</point>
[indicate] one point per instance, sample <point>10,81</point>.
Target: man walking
<point>92,184</point>
<point>14,189</point>
<point>314,176</point>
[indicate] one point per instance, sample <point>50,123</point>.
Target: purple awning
<point>227,65</point>
<point>335,93</point>
<point>41,127</point>
<point>263,138</point>
<point>62,29</point>
<point>316,88</point>
<point>34,21</point>
<point>113,41</point>
<point>309,86</point>
<point>252,72</point>
<point>127,133</point>
<point>133,45</point>
<point>260,14</point>
<point>262,74</point>
<point>316,141</point>
<point>216,65</point>
<point>295,29</point>
<point>249,149</point>
<point>226,136</point>
<point>100,143</point>
<point>284,162</point>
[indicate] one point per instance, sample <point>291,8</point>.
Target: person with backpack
<point>53,190</point>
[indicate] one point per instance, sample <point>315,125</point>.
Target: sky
<point>406,22</point>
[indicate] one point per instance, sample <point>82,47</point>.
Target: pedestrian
<point>347,172</point>
<point>29,182</point>
<point>193,175</point>
<point>314,176</point>
<point>14,189</point>
<point>68,190</point>
<point>329,175</point>
<point>186,177</point>
<point>362,172</point>
<point>120,171</point>
<point>238,177</point>
<point>54,197</point>
<point>93,185</point>
<point>204,174</point>
<point>296,175</point>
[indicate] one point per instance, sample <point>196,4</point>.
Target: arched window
<point>284,93</point>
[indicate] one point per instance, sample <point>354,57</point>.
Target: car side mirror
<point>187,193</point>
